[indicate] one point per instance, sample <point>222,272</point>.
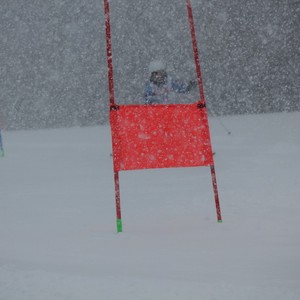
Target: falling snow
<point>53,56</point>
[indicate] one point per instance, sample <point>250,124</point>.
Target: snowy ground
<point>57,218</point>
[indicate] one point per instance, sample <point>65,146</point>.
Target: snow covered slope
<point>57,218</point>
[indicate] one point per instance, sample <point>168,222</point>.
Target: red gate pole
<point>214,181</point>
<point>195,49</point>
<point>112,106</point>
<point>109,53</point>
<point>118,202</point>
<point>202,99</point>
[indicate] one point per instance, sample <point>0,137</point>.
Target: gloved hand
<point>192,84</point>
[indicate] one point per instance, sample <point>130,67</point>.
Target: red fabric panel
<point>160,136</point>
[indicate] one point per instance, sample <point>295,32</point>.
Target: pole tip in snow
<point>119,225</point>
<point>220,221</point>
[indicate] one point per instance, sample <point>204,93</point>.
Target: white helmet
<point>156,65</point>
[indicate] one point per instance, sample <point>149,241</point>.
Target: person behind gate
<point>160,84</point>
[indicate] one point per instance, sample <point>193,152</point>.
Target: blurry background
<point>53,56</point>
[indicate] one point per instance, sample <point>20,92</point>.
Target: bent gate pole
<point>202,98</point>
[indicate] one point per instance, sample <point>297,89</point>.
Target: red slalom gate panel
<point>160,136</point>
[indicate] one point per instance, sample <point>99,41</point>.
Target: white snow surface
<point>58,235</point>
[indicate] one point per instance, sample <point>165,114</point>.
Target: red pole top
<point>195,48</point>
<point>109,53</point>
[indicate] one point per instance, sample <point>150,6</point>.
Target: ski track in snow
<point>57,218</point>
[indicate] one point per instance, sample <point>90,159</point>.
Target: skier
<point>160,84</point>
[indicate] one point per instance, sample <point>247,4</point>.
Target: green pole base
<point>220,221</point>
<point>119,225</point>
<point>1,153</point>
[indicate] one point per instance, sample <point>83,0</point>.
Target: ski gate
<point>159,136</point>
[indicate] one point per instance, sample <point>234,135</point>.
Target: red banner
<point>160,136</point>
